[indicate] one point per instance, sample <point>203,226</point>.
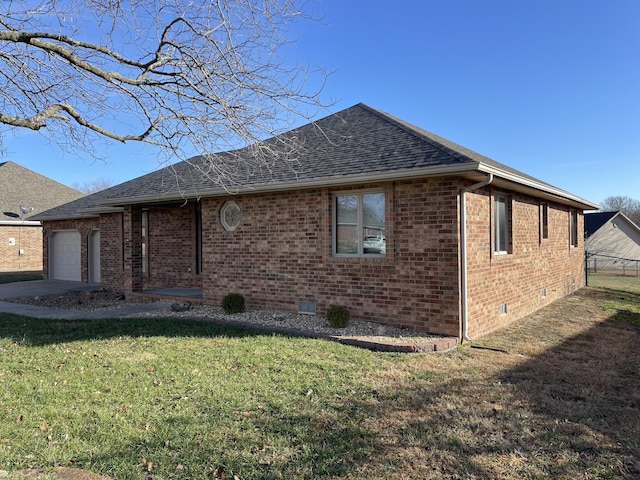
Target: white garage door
<point>64,256</point>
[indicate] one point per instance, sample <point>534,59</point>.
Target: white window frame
<point>359,223</point>
<point>501,225</point>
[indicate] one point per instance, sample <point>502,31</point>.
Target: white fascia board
<point>626,219</point>
<point>557,193</point>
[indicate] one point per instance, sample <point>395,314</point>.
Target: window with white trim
<point>359,225</point>
<point>501,224</point>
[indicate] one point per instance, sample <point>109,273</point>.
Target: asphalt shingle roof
<point>353,144</point>
<point>36,193</point>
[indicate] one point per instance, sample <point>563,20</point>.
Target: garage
<point>64,256</point>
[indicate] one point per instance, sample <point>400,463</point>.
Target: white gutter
<point>463,252</point>
<point>20,223</point>
<point>538,185</point>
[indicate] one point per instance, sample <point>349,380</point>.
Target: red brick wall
<point>84,227</point>
<point>281,253</point>
<point>111,252</point>
<point>27,239</point>
<point>172,248</point>
<point>517,279</point>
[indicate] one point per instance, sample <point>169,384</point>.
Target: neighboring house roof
<point>613,234</point>
<point>25,193</point>
<point>354,146</point>
<point>593,221</point>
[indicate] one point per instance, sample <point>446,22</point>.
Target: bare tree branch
<point>189,77</point>
<point>629,206</point>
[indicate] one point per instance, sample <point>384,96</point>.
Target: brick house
<point>399,225</point>
<point>23,194</point>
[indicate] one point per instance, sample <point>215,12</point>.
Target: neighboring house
<point>399,225</point>
<point>23,194</point>
<point>612,241</point>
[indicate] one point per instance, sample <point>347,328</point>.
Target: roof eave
<point>406,174</point>
<point>467,169</point>
<point>540,189</point>
<point>89,212</point>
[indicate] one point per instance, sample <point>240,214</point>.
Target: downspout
<point>463,251</point>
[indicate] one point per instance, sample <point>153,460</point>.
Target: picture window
<point>359,225</point>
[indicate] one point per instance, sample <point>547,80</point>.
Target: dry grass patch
<point>556,395</point>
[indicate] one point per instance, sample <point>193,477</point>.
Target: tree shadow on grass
<point>277,445</point>
<point>312,436</point>
<point>588,392</point>
<point>570,411</point>
<point>41,332</point>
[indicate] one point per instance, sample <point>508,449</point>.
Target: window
<point>359,225</point>
<point>144,243</point>
<point>198,225</point>
<point>230,216</point>
<point>573,228</point>
<point>544,221</point>
<point>501,224</point>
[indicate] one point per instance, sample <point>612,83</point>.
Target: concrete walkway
<point>41,288</point>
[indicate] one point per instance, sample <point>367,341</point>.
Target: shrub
<point>338,316</point>
<point>233,303</point>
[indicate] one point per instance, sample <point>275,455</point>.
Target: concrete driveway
<point>42,288</point>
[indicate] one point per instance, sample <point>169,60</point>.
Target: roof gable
<point>35,193</point>
<point>594,221</point>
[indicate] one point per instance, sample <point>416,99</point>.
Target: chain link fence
<point>615,273</point>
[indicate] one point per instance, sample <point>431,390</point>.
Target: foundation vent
<point>503,309</point>
<point>307,308</point>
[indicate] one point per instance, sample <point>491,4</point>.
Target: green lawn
<point>182,399</point>
<point>612,281</point>
<point>555,395</point>
<point>9,277</point>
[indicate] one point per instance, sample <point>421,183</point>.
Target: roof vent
<point>25,210</point>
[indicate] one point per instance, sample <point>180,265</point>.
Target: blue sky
<point>550,87</point>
